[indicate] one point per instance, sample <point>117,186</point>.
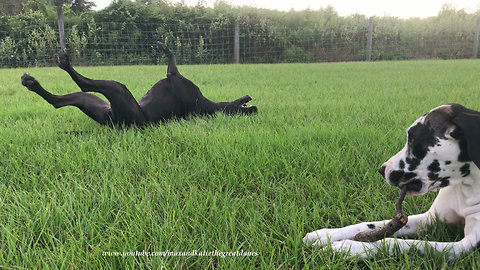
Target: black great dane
<point>173,97</point>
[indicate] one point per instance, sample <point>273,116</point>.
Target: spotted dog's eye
<point>456,133</point>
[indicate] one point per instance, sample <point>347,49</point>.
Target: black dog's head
<point>240,106</point>
<point>442,149</point>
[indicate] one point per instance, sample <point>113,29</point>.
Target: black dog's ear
<point>469,123</point>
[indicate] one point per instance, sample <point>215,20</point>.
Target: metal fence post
<point>369,40</point>
<point>236,44</point>
<point>475,42</point>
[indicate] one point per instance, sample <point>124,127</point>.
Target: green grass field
<point>306,161</point>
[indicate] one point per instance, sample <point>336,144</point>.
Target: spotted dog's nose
<point>382,171</point>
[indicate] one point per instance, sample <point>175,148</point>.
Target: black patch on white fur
<point>420,138</point>
<point>433,175</point>
<point>445,182</point>
<point>409,175</point>
<point>415,185</point>
<point>400,176</point>
<point>412,163</point>
<point>402,164</point>
<point>396,176</point>
<point>371,226</point>
<point>434,166</point>
<point>448,162</point>
<point>465,170</point>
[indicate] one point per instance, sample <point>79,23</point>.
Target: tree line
<point>123,33</point>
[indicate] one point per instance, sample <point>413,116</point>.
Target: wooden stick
<point>392,226</point>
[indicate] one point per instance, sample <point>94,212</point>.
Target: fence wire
<point>104,43</point>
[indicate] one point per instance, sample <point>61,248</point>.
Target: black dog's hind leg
<point>172,62</point>
<point>125,109</point>
<point>91,105</point>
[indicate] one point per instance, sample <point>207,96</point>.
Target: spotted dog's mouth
<point>432,187</point>
<point>413,187</point>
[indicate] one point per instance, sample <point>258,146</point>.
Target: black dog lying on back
<point>173,97</point>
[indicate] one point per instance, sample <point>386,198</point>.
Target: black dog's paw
<point>160,46</point>
<point>63,60</point>
<point>28,81</point>
<point>163,48</point>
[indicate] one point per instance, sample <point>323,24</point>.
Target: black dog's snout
<point>382,171</point>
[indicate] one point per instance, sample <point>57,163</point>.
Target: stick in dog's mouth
<point>392,226</point>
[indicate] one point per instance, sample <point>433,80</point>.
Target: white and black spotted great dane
<point>442,152</point>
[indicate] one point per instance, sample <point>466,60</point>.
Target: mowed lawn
<point>71,190</point>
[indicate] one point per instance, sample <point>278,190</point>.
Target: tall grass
<point>71,189</point>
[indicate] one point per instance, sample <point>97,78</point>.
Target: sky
<point>395,8</point>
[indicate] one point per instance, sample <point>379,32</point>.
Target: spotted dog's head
<point>442,149</point>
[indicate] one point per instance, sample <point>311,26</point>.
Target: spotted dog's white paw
<point>355,248</point>
<point>322,237</point>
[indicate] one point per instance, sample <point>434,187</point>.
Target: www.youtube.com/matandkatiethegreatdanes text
<point>193,253</point>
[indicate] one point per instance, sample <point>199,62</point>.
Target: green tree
<point>11,7</point>
<point>80,6</point>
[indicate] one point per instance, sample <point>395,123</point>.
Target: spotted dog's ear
<point>469,123</point>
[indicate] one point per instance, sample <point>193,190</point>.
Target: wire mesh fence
<point>108,43</point>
